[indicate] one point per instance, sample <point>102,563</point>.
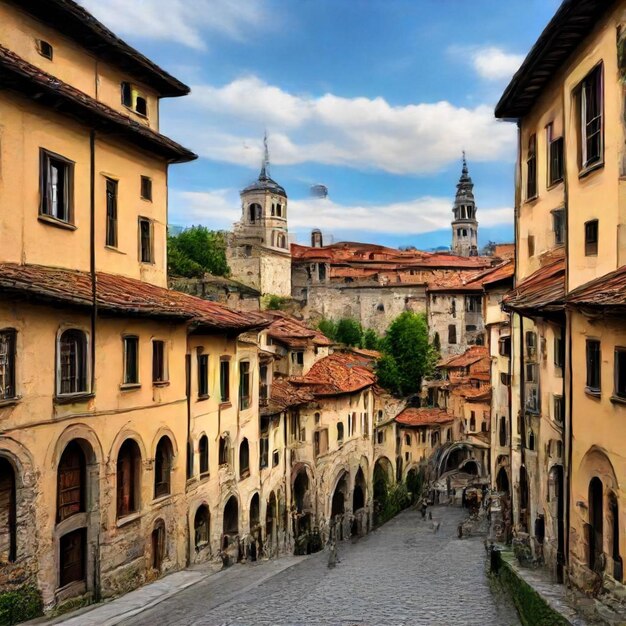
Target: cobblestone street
<point>401,574</point>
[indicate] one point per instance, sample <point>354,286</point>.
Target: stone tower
<point>258,252</point>
<point>464,224</point>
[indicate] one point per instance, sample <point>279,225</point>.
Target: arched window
<point>503,433</point>
<point>244,459</point>
<point>203,451</point>
<point>163,467</point>
<point>71,479</point>
<point>224,451</point>
<point>231,517</point>
<point>128,478</point>
<point>201,526</point>
<point>72,362</point>
<point>8,524</point>
<point>449,434</point>
<point>254,213</point>
<point>340,432</point>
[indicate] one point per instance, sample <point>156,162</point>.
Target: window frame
<point>145,185</point>
<point>111,200</point>
<point>555,152</point>
<point>592,376</point>
<point>43,47</point>
<point>224,384</point>
<point>202,373</point>
<point>617,393</point>
<point>45,190</point>
<point>10,375</point>
<point>586,163</point>
<point>558,226</point>
<point>164,373</point>
<point>145,220</point>
<point>126,339</point>
<point>592,245</point>
<point>531,168</point>
<point>86,364</point>
<point>245,374</point>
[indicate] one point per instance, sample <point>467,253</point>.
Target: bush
<point>197,250</point>
<point>20,605</point>
<point>273,302</point>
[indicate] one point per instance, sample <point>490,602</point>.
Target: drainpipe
<point>187,455</point>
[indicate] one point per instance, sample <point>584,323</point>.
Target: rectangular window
<point>133,99</point>
<point>275,458</point>
<point>593,365</point>
<point>244,385</point>
<point>159,373</point>
<point>300,358</point>
<point>558,226</point>
<point>263,386</point>
<point>531,168</point>
<point>264,451</point>
<point>531,343</point>
<point>473,304</point>
<point>591,124</point>
<point>111,225</point>
<point>531,373</point>
<point>145,240</point>
<point>531,245</point>
<point>620,372</point>
<point>224,380</point>
<point>591,238</point>
<point>146,188</point>
<point>7,364</point>
<point>505,379</point>
<point>555,156</point>
<point>504,346</point>
<point>45,49</point>
<point>131,360</point>
<point>56,186</point>
<point>559,409</point>
<point>203,375</point>
<point>559,352</point>
<point>451,334</point>
<point>127,95</point>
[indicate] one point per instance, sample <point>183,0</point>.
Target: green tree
<point>349,332</point>
<point>370,340</point>
<point>407,354</point>
<point>328,328</point>
<point>197,250</point>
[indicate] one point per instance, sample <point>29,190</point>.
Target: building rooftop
<point>285,395</point>
<point>472,355</point>
<point>120,295</point>
<point>18,74</point>
<point>293,332</point>
<point>75,22</point>
<point>606,291</point>
<point>424,416</point>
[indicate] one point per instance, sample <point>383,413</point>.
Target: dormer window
<point>45,49</point>
<point>134,99</point>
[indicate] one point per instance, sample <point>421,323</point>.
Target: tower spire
<point>265,167</point>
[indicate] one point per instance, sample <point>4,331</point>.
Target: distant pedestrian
<point>423,509</point>
<point>332,556</point>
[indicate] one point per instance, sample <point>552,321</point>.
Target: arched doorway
<point>270,520</point>
<point>596,524</point>
<point>8,524</point>
<point>502,480</point>
<point>360,489</point>
<point>201,527</point>
<point>301,520</point>
<point>383,473</point>
<point>618,572</point>
<point>255,527</point>
<point>231,517</point>
<point>524,500</point>
<point>471,467</point>
<point>158,544</point>
<point>338,506</point>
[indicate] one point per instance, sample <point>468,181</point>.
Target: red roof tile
<point>293,332</point>
<point>543,290</point>
<point>606,291</point>
<point>120,295</point>
<point>470,356</point>
<point>285,395</point>
<point>423,417</point>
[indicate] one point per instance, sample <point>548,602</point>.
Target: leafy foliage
<point>274,302</point>
<point>197,250</point>
<point>407,354</point>
<point>349,332</point>
<point>20,605</point>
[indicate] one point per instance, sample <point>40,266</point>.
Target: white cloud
<point>221,208</point>
<point>225,123</point>
<point>181,21</point>
<point>490,62</point>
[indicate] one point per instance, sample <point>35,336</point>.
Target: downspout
<point>187,447</point>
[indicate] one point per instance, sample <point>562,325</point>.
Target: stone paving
<point>402,574</point>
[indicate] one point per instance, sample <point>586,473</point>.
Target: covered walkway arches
<point>302,518</point>
<point>381,483</point>
<point>338,505</point>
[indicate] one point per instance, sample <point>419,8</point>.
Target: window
<point>555,156</point>
<point>224,380</point>
<point>127,95</point>
<point>531,168</point>
<point>263,386</point>
<point>407,440</point>
<point>299,358</point>
<point>275,458</point>
<point>203,452</point>
<point>128,478</point>
<point>72,363</point>
<point>472,422</point>
<point>131,360</point>
<point>620,372</point>
<point>531,343</point>
<point>141,105</point>
<point>503,432</point>
<point>296,433</point>
<point>201,526</point>
<point>558,226</point>
<point>146,188</point>
<point>591,238</point>
<point>559,409</point>
<point>190,468</point>
<point>244,385</point>
<point>72,549</point>
<point>159,368</point>
<point>469,328</point>
<point>224,452</point>
<point>244,459</point>
<point>532,387</point>
<point>380,436</point>
<point>56,185</point>
<point>591,125</point>
<point>473,304</point>
<point>350,425</point>
<point>264,450</point>
<point>504,346</point>
<point>451,334</point>
<point>71,478</point>
<point>45,49</point>
<point>163,467</point>
<point>340,432</point>
<point>559,352</point>
<point>531,245</point>
<point>133,99</point>
<point>7,364</point>
<point>593,365</point>
<point>145,240</point>
<point>111,225</point>
<point>203,375</point>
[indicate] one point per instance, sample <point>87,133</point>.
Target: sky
<point>376,99</point>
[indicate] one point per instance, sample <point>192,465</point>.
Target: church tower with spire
<point>464,224</point>
<point>258,252</point>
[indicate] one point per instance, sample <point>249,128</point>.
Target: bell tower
<point>464,224</point>
<point>258,253</point>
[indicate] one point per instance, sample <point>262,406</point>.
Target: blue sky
<point>373,98</point>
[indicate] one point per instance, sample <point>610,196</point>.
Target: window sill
<point>244,475</point>
<point>114,249</point>
<point>614,399</point>
<point>146,262</point>
<point>202,398</point>
<point>590,169</point>
<point>531,199</point>
<point>226,405</point>
<point>204,475</point>
<point>75,397</point>
<point>161,383</point>
<point>130,386</point>
<point>554,183</point>
<point>55,221</point>
<point>10,401</point>
<point>128,519</point>
<point>161,499</point>
<point>594,393</point>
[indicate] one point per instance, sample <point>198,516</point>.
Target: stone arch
<point>338,501</point>
<point>471,466</point>
<point>120,438</point>
<point>244,459</point>
<point>76,431</point>
<point>202,526</point>
<point>359,492</point>
<point>271,518</point>
<point>163,467</point>
<point>255,512</point>
<point>158,545</point>
<point>502,480</point>
<point>164,431</point>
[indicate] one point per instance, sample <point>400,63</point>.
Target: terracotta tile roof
<point>120,295</point>
<point>606,291</point>
<point>284,395</point>
<point>482,394</point>
<point>293,332</point>
<point>470,356</point>
<point>74,21</point>
<point>504,271</point>
<point>339,373</point>
<point>543,290</point>
<point>423,417</point>
<point>16,73</point>
<point>504,250</point>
